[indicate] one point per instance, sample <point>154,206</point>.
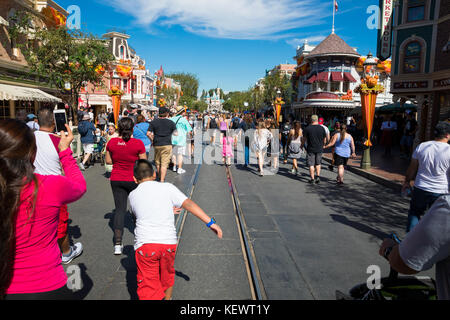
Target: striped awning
<point>10,92</point>
<point>323,76</point>
<point>336,76</point>
<point>312,79</point>
<point>349,77</point>
<point>4,22</point>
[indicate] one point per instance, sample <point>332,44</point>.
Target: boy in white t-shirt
<point>153,205</point>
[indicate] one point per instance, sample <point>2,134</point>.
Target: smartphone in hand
<point>60,120</point>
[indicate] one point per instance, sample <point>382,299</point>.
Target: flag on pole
<point>335,5</point>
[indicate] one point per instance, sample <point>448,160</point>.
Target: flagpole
<point>334,9</point>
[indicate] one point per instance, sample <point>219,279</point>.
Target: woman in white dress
<point>260,142</point>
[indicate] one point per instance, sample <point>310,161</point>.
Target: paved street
<point>308,240</point>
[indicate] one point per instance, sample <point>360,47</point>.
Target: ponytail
<point>126,128</point>
<point>343,132</point>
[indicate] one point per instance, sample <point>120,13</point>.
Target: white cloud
<point>233,19</point>
<point>311,40</point>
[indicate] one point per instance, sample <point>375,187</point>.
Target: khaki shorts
<point>163,156</point>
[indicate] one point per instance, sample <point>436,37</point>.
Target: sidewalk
<point>388,171</point>
<point>310,240</point>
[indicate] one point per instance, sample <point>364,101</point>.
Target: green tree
<point>189,83</point>
<point>170,95</point>
<point>199,105</point>
<point>274,82</point>
<point>63,57</point>
<point>235,100</point>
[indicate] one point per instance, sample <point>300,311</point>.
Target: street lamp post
<point>368,90</point>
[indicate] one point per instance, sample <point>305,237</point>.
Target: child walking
<point>154,203</point>
<point>227,147</point>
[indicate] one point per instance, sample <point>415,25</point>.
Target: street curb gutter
<point>373,177</point>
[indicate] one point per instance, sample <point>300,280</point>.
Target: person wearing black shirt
<point>407,141</point>
<point>285,129</point>
<point>160,132</point>
<point>315,138</point>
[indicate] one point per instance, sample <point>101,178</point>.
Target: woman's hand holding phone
<point>66,139</point>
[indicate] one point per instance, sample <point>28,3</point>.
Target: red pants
<point>63,221</point>
<point>155,270</point>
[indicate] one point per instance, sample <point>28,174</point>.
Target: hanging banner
<point>384,47</point>
<point>368,101</point>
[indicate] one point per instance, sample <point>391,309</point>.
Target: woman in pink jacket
<point>30,259</point>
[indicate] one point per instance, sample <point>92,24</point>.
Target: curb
<point>373,177</point>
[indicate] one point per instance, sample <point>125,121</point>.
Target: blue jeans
<point>247,155</point>
<point>421,201</point>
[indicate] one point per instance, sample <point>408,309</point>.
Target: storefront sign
<point>411,85</point>
<point>385,31</point>
<point>441,83</point>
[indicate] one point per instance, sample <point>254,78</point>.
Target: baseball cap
<point>320,120</point>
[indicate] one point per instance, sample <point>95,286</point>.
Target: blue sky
<point>226,43</point>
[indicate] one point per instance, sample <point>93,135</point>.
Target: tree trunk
<point>74,108</point>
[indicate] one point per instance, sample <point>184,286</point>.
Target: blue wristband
<point>211,222</point>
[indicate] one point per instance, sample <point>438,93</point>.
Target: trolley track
<point>252,270</point>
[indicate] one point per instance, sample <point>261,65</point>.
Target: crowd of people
<point>40,177</point>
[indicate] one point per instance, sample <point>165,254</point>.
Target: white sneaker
<point>118,248</point>
<point>181,171</point>
<point>82,166</point>
<point>75,251</point>
<point>174,169</point>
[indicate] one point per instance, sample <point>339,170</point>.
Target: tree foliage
<point>235,100</point>
<point>189,83</point>
<point>274,82</point>
<point>64,56</point>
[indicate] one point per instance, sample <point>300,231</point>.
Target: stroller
<point>99,151</point>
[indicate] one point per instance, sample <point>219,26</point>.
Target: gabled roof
<point>333,44</point>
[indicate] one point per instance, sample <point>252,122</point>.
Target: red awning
<point>349,77</point>
<point>312,79</point>
<point>336,76</point>
<point>323,76</point>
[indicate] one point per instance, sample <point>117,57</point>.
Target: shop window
<point>4,109</point>
<point>346,86</point>
<point>321,86</point>
<point>335,86</point>
<point>412,57</point>
<point>28,106</point>
<point>416,10</point>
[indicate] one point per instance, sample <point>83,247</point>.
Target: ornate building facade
<point>18,89</point>
<point>127,72</point>
<point>421,60</point>
<point>326,76</point>
<point>215,103</point>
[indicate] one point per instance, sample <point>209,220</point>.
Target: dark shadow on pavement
<point>368,204</point>
<point>129,264</point>
<point>88,284</point>
<point>359,226</point>
<point>73,231</point>
<point>182,275</point>
<point>129,222</point>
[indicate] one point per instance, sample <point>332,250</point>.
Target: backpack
<point>213,123</point>
<point>235,124</point>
